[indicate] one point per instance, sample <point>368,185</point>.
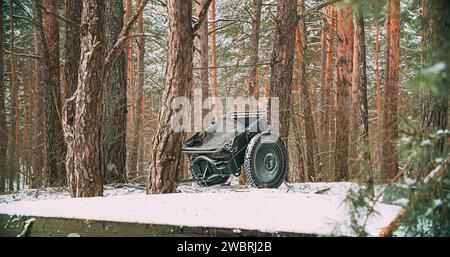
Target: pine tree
<point>165,166</point>
<point>113,147</point>
<point>344,69</point>
<point>3,125</point>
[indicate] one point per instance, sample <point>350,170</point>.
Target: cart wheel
<point>197,170</point>
<point>266,161</point>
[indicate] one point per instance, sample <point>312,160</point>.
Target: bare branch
<point>316,8</point>
<point>202,15</point>
<point>114,54</point>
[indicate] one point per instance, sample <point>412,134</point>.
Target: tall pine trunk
<point>390,126</point>
<point>204,63</point>
<point>165,166</point>
<point>215,84</point>
<point>282,62</point>
<point>86,131</point>
<point>38,113</point>
<point>72,55</point>
<point>140,94</point>
<point>131,92</point>
<point>344,69</point>
<point>113,147</point>
<point>13,135</point>
<point>313,163</point>
<point>360,83</point>
<point>327,104</point>
<point>253,87</point>
<point>3,125</point>
<point>377,72</point>
<point>56,148</point>
<point>437,44</point>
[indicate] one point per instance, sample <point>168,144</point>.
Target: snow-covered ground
<point>316,208</point>
<point>52,193</point>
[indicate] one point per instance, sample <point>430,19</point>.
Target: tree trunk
<point>282,63</point>
<point>204,72</point>
<point>327,104</point>
<point>3,125</point>
<point>166,153</point>
<point>215,84</point>
<point>56,148</point>
<point>435,106</point>
<point>72,55</point>
<point>139,144</point>
<point>322,145</point>
<point>360,82</point>
<point>377,72</point>
<point>344,69</point>
<point>313,164</point>
<point>132,155</point>
<point>88,101</point>
<point>390,135</point>
<point>12,152</point>
<point>298,142</point>
<point>37,176</point>
<point>26,153</point>
<point>113,147</point>
<point>253,87</point>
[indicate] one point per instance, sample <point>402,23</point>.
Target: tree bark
<point>215,84</point>
<point>12,152</point>
<point>72,55</point>
<point>3,125</point>
<point>360,83</point>
<point>299,147</point>
<point>253,87</point>
<point>390,133</point>
<point>313,164</point>
<point>56,148</point>
<point>113,147</point>
<point>435,106</point>
<point>204,63</point>
<point>27,127</point>
<point>344,69</point>
<point>86,132</point>
<point>377,72</point>
<point>327,103</point>
<point>39,153</point>
<point>131,86</point>
<point>139,144</point>
<point>282,62</point>
<point>165,166</point>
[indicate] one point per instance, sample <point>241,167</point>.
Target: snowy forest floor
<point>304,208</point>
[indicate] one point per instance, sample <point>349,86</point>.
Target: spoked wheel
<point>266,161</point>
<point>201,170</point>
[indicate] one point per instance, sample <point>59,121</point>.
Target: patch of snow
<point>272,210</point>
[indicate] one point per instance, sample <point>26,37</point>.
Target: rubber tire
<point>249,167</point>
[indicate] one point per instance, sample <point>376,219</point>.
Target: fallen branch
<point>27,227</point>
